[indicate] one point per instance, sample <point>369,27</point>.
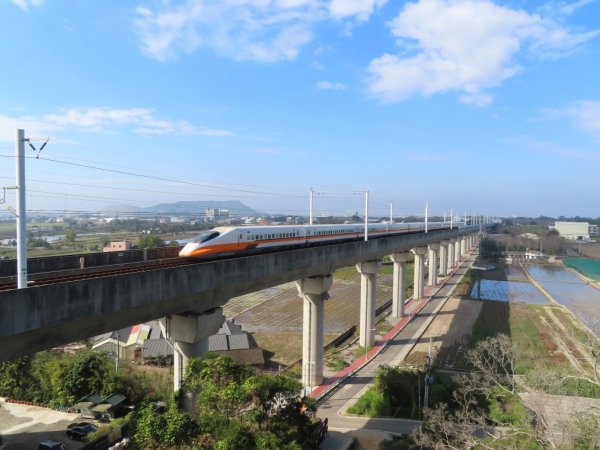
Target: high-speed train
<point>224,241</point>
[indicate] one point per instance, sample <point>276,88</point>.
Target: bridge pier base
<point>399,287</point>
<point>444,257</point>
<point>433,260</point>
<point>457,252</point>
<point>368,299</point>
<point>314,292</point>
<point>450,255</point>
<point>189,333</point>
<point>418,285</point>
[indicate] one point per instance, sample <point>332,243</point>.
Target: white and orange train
<point>223,241</point>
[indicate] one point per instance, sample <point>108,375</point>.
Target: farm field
<point>274,316</point>
<point>507,291</point>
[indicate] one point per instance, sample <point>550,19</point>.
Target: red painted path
<point>412,308</point>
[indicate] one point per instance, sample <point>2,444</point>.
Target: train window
<point>206,236</point>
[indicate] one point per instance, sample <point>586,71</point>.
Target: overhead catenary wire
<point>170,180</point>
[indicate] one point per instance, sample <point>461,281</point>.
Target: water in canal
<point>507,291</point>
<point>569,290</point>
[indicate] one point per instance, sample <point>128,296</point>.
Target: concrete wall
<point>8,267</point>
<point>41,317</point>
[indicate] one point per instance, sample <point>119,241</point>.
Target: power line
<point>170,180</point>
<point>129,189</point>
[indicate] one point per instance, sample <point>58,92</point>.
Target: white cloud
<point>565,8</point>
<point>557,150</point>
<point>585,114</point>
<point>215,132</point>
<point>467,46</point>
<point>361,9</point>
<point>328,85</point>
<point>141,120</point>
<point>254,30</point>
<point>25,4</point>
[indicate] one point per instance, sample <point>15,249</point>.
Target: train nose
<point>188,249</point>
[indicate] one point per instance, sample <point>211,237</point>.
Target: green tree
<point>70,235</point>
<point>15,378</point>
<point>86,373</point>
<point>150,241</point>
<point>234,408</point>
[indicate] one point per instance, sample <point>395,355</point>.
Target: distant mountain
<point>121,208</point>
<point>235,207</point>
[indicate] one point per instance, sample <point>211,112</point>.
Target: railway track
<point>52,278</point>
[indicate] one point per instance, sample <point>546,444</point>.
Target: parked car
<point>49,444</point>
<point>80,430</point>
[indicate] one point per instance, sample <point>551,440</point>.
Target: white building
<point>579,231</point>
<point>216,214</point>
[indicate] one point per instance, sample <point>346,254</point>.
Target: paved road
<point>23,427</point>
<point>335,405</point>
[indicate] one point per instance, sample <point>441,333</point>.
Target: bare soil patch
<point>448,332</point>
<point>276,321</point>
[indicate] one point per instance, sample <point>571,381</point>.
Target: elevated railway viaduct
<point>189,296</point>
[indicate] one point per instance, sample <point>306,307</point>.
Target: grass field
<point>548,343</point>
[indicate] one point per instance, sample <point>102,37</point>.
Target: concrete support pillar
<point>418,285</point>
<point>450,255</point>
<point>456,252</point>
<point>444,257</point>
<point>399,289</point>
<point>189,333</point>
<point>433,260</point>
<point>463,246</point>
<point>368,298</point>
<point>314,292</point>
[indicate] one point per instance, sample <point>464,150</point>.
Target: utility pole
<point>366,192</point>
<point>310,205</point>
<point>366,214</point>
<point>21,211</point>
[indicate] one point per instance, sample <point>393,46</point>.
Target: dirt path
<point>583,351</point>
<point>448,330</point>
<point>564,349</point>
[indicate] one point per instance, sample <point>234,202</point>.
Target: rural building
<point>230,341</point>
<point>124,343</point>
<point>118,246</point>
<point>217,214</point>
<point>533,254</point>
<point>578,231</point>
<point>95,407</point>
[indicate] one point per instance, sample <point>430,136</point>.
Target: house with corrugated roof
<point>126,342</point>
<point>230,341</point>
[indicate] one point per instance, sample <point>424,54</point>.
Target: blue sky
<point>479,106</point>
